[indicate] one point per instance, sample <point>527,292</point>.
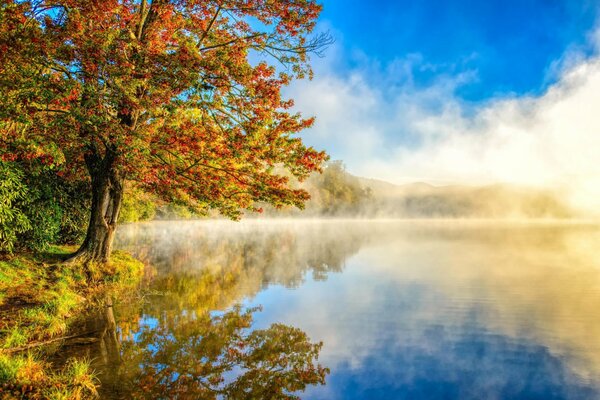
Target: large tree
<point>181,96</point>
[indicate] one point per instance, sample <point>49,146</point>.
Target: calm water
<point>404,310</point>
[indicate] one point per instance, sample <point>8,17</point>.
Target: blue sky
<point>509,45</point>
<point>461,92</point>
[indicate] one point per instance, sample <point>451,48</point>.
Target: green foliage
<point>57,209</point>
<point>38,208</point>
<point>13,220</point>
<point>9,366</point>
<point>74,200</point>
<point>137,206</point>
<point>336,192</point>
<point>45,215</point>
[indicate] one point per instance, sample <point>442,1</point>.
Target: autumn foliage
<point>182,97</point>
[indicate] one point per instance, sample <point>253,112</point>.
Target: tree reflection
<point>256,255</point>
<point>209,357</point>
<point>188,338</point>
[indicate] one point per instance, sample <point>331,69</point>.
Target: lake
<point>403,309</point>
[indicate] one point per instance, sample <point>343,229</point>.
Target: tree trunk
<point>107,195</point>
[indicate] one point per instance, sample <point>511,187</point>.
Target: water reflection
<point>405,310</point>
<point>253,255</point>
<point>189,338</point>
<point>207,357</point>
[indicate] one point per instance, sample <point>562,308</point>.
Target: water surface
<point>404,310</point>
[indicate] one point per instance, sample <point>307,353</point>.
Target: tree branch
<point>212,21</point>
<point>231,42</point>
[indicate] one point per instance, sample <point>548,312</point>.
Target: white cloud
<point>400,133</point>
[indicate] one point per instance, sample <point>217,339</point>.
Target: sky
<point>460,92</point>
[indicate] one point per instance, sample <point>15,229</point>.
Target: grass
<point>39,299</point>
<point>26,376</point>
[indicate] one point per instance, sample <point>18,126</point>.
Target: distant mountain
<point>337,193</point>
<point>422,200</point>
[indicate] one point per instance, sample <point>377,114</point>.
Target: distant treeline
<point>334,192</point>
<point>38,207</point>
<point>337,193</point>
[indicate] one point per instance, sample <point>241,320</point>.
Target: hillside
<point>421,200</point>
<point>339,193</point>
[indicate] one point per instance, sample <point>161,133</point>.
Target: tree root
<point>46,342</point>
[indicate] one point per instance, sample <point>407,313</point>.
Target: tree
<point>177,95</point>
<point>336,192</point>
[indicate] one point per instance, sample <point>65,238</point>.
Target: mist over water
<point>405,309</point>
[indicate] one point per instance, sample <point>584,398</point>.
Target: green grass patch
<point>15,336</point>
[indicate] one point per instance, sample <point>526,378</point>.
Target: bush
<point>39,208</point>
<point>57,208</point>
<point>45,215</point>
<point>75,201</point>
<point>13,192</point>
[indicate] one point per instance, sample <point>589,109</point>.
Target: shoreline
<point>42,300</point>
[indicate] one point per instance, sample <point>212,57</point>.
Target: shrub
<point>39,208</point>
<point>45,215</point>
<point>13,220</point>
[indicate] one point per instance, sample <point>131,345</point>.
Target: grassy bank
<point>39,300</point>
